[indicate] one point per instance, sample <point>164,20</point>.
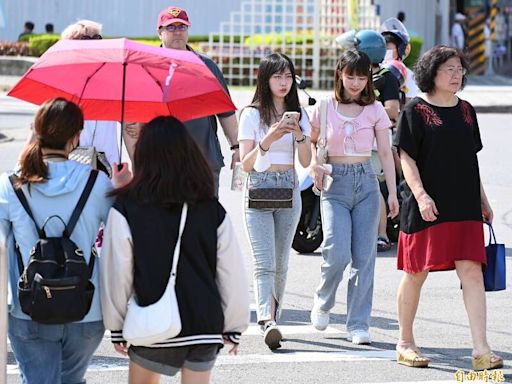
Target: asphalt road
<point>309,356</point>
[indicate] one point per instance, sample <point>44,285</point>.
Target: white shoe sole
<point>359,341</point>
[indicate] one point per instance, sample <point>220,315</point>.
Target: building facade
<point>120,18</point>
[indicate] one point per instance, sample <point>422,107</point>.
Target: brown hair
<point>358,63</point>
<point>169,167</point>
<point>57,121</point>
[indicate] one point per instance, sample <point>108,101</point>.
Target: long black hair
<point>262,100</point>
<point>169,167</point>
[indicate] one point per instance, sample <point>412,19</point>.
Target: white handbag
<point>321,148</point>
<point>144,326</point>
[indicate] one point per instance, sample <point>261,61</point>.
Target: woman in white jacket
<point>140,238</point>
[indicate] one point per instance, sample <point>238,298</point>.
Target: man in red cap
<point>172,28</point>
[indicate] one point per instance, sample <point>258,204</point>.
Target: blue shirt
<point>56,196</point>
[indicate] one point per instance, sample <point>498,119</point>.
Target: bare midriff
<point>279,167</point>
<point>347,159</point>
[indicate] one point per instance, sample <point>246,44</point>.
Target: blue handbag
<point>495,270</point>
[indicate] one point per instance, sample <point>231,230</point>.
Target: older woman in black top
<point>441,223</point>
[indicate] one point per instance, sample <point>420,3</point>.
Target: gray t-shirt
<point>204,130</point>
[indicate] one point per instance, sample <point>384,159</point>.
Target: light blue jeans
<point>53,354</point>
<point>270,233</point>
<point>350,216</point>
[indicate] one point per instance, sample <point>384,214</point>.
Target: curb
<point>493,108</point>
<point>5,139</point>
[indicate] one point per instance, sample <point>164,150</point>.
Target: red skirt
<point>439,246</point>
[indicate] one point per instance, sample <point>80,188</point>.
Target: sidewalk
<point>488,94</point>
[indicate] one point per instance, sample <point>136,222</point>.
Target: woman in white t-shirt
<point>99,134</point>
<point>271,129</point>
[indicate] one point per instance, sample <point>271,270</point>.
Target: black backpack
<point>55,286</point>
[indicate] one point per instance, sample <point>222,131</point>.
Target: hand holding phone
<point>290,120</point>
<point>291,115</point>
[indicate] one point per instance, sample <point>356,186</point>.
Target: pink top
<point>351,136</point>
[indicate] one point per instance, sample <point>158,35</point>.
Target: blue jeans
<point>350,216</point>
<point>270,232</point>
<point>54,354</point>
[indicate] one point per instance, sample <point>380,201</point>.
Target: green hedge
<point>191,39</point>
<point>39,44</point>
<point>416,44</point>
<point>278,38</point>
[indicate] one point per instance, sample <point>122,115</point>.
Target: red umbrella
<point>121,80</point>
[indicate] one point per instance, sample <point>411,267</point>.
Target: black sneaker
<point>272,335</point>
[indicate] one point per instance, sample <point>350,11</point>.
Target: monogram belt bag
<point>270,198</point>
<point>89,155</point>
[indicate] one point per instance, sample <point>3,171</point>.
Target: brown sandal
<point>485,361</point>
<point>412,358</point>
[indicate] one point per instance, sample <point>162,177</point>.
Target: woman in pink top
<point>350,208</point>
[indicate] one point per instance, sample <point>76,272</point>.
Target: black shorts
<point>169,361</point>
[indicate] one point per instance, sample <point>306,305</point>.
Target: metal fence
<point>302,29</point>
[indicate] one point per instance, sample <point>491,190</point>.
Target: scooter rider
<point>398,48</point>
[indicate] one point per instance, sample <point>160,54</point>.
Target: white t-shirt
<point>250,127</point>
<point>103,136</point>
<point>410,85</point>
<point>457,36</point>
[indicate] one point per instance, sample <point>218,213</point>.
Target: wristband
<point>263,149</point>
<point>301,140</point>
<point>234,146</point>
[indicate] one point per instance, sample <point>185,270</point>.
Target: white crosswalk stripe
<point>294,330</point>
<point>279,357</point>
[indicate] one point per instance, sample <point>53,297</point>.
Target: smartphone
<point>290,115</point>
<point>327,182</point>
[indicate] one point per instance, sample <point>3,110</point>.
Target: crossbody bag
<point>272,197</point>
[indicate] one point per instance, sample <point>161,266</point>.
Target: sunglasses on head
<point>93,37</point>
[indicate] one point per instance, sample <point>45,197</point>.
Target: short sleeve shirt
<point>443,141</point>
<point>252,128</point>
<point>204,129</point>
<point>351,136</point>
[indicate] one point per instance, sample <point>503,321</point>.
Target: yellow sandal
<point>485,361</point>
<point>411,358</point>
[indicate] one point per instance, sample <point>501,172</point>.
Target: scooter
<point>308,235</point>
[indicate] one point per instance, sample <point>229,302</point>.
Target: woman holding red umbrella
<point>96,133</point>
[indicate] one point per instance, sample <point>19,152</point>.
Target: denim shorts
<point>169,361</point>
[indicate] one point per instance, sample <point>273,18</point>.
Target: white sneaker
<point>359,337</point>
<point>272,335</point>
<point>319,319</point>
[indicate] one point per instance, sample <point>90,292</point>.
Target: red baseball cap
<point>172,15</point>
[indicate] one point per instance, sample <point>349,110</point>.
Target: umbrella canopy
<point>122,80</point>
